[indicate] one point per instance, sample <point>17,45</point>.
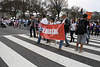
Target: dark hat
<point>85,15</point>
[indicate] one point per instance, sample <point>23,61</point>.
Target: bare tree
<point>58,5</point>
<point>36,6</point>
<point>52,11</point>
<point>75,12</point>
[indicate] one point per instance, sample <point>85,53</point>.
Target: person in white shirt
<point>43,21</point>
<point>57,21</point>
<point>72,30</point>
<point>4,23</point>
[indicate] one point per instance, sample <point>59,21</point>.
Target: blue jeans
<point>88,33</point>
<point>39,39</point>
<point>61,42</point>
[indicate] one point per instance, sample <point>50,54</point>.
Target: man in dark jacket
<point>66,28</point>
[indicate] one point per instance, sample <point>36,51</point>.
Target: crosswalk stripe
<point>48,54</point>
<point>12,58</point>
<point>96,44</point>
<point>96,40</point>
<point>2,63</point>
<point>92,37</point>
<point>85,54</point>
<point>88,47</point>
<point>95,36</point>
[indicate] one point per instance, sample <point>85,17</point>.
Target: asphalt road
<point>12,30</point>
<point>18,50</point>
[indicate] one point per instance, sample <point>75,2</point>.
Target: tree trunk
<point>58,15</point>
<point>36,14</point>
<point>23,14</point>
<point>15,12</point>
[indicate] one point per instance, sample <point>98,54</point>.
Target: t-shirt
<point>4,22</point>
<point>44,21</point>
<point>73,26</point>
<point>58,22</point>
<point>25,22</point>
<point>32,22</point>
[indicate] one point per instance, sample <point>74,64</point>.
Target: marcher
<point>32,26</point>
<point>72,30</point>
<point>3,24</point>
<point>92,28</point>
<point>43,21</point>
<point>97,29</point>
<point>81,31</point>
<point>66,28</point>
<point>37,22</point>
<point>52,23</point>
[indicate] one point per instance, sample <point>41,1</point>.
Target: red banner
<point>53,32</point>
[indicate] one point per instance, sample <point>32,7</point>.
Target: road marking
<point>96,44</point>
<point>95,41</point>
<point>71,50</point>
<point>91,39</point>
<point>48,54</point>
<point>12,58</point>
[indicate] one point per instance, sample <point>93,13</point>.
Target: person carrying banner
<point>67,24</point>
<point>52,23</point>
<point>43,21</point>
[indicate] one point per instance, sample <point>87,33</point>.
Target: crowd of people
<point>83,31</point>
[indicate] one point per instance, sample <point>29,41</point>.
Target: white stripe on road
<point>85,54</point>
<point>95,40</point>
<point>48,54</point>
<point>12,58</point>
<point>91,39</point>
<point>87,47</point>
<point>93,48</point>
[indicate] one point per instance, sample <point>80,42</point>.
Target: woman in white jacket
<point>72,30</point>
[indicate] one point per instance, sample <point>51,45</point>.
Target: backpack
<point>81,29</point>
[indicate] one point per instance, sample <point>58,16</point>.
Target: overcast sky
<point>89,5</point>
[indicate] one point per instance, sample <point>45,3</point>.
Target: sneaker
<point>73,39</point>
<point>59,49</point>
<point>81,51</point>
<point>76,49</point>
<point>55,42</point>
<point>67,45</point>
<point>70,41</point>
<point>37,43</point>
<point>49,43</point>
<point>87,42</point>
